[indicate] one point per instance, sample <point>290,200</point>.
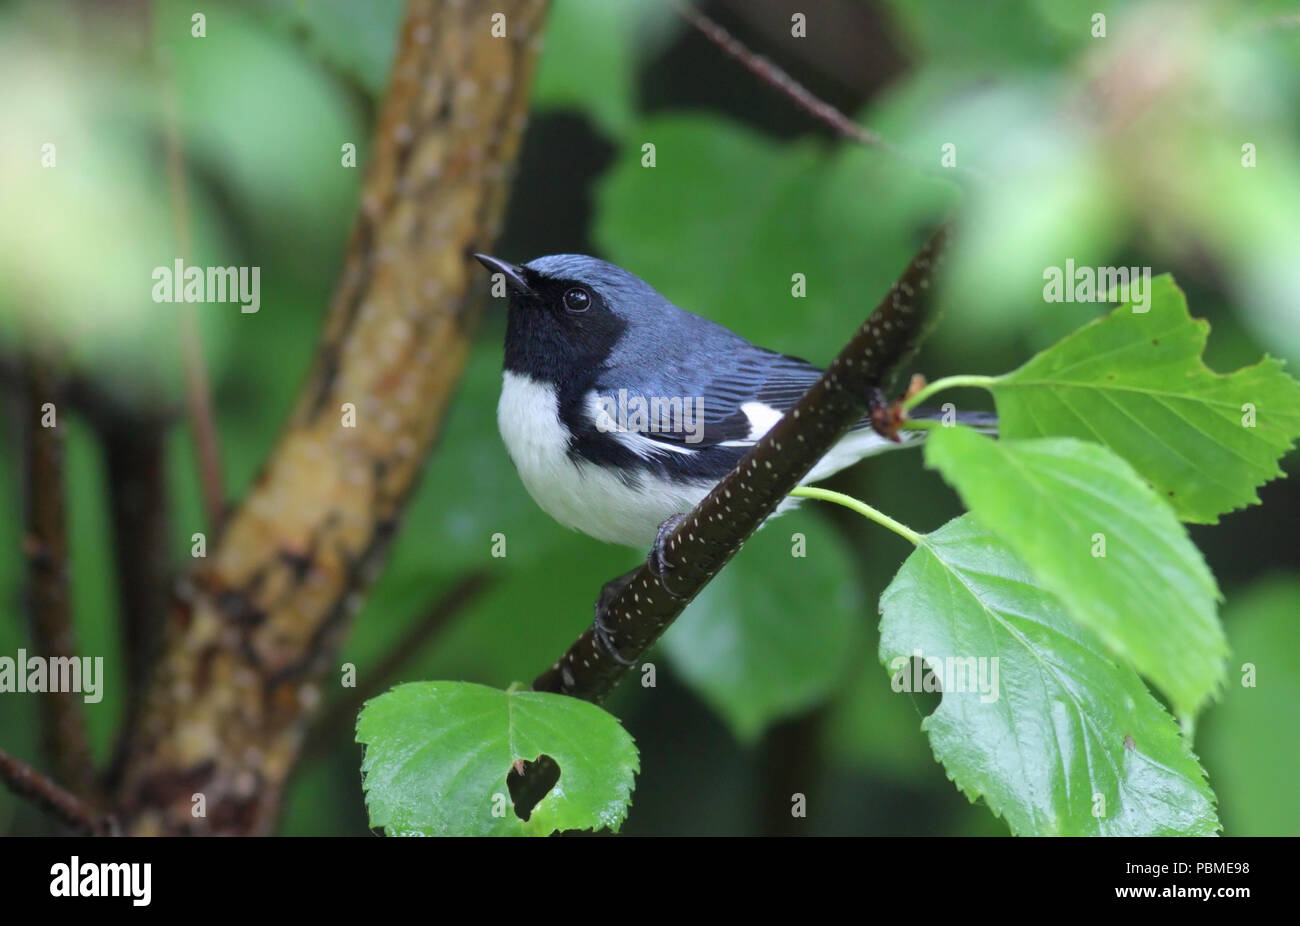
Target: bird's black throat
<point>549,344</point>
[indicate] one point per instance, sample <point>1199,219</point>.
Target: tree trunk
<point>253,633</point>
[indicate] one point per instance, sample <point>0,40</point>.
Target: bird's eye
<point>577,299</point>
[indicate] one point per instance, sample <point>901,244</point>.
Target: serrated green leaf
<point>438,753</point>
<point>775,633</point>
<point>1061,740</point>
<point>1096,536</point>
<point>1135,382</point>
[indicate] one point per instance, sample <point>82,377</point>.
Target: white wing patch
<point>761,420</point>
<point>855,446</point>
<point>643,446</point>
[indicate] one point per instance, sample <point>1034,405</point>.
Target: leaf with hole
<point>438,755</point>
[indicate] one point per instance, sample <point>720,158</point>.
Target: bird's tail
<point>984,422</point>
<point>862,440</point>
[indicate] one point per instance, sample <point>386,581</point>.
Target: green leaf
<point>1135,382</point>
<point>230,122</point>
<point>437,756</point>
<point>746,213</point>
<point>1061,740</point>
<point>1061,504</point>
<point>775,633</point>
<point>591,55</point>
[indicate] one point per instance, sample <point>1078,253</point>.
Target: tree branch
<point>775,77</point>
<point>198,387</point>
<point>49,603</point>
<point>720,524</point>
<point>72,811</point>
<point>95,400</point>
<point>249,641</point>
<point>136,458</point>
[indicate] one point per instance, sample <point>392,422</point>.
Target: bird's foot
<point>600,630</point>
<point>886,416</point>
<point>657,560</point>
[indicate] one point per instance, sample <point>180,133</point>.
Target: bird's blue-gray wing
<point>734,407</point>
<point>729,405</point>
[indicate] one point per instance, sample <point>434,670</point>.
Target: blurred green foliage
<point>1122,150</point>
<point>1249,742</point>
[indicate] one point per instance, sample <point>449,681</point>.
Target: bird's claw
<point>657,560</point>
<point>600,631</point>
<point>658,564</point>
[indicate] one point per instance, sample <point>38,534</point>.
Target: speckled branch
<point>255,629</point>
<point>719,525</point>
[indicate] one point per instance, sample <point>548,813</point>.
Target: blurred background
<point>1122,149</point>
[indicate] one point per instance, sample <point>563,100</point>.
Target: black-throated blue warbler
<point>621,410</point>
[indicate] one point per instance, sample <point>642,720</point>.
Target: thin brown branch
<point>136,460</point>
<point>792,763</point>
<point>341,716</point>
<point>774,76</point>
<point>778,79</point>
<point>44,793</point>
<point>133,438</point>
<point>49,601</point>
<point>93,399</point>
<point>198,388</point>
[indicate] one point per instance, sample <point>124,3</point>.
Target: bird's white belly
<point>578,494</point>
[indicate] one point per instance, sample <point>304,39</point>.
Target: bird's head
<point>569,311</point>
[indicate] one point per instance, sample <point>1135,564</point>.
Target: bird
<point>621,411</point>
<point>587,341</point>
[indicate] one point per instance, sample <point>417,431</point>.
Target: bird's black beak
<point>514,275</point>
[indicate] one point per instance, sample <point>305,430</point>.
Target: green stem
<point>862,508</point>
<point>949,382</point>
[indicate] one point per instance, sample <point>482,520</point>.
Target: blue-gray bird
<point>621,410</point>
